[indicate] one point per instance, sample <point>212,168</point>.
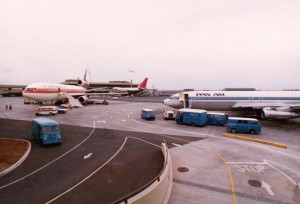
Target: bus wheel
<point>252,131</point>
<point>233,130</point>
<point>50,113</point>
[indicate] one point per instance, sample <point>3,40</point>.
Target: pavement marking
<point>1,187</point>
<point>70,189</point>
<point>228,170</point>
<point>255,140</point>
<point>282,173</point>
<point>151,132</point>
<point>176,145</point>
<point>250,167</point>
<point>267,187</point>
<point>155,126</point>
<point>223,138</point>
<point>87,156</point>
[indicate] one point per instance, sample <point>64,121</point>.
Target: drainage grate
<point>255,183</point>
<point>182,169</point>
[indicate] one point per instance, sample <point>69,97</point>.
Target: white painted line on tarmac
<point>223,138</point>
<point>254,163</point>
<point>70,189</point>
<point>176,145</point>
<point>155,126</point>
<point>1,187</point>
<point>282,173</point>
<point>267,187</point>
<point>87,156</point>
<point>268,161</point>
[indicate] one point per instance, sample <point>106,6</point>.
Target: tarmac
<point>207,166</point>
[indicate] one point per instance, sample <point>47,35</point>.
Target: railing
<point>157,190</point>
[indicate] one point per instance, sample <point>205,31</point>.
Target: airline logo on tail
<point>143,84</point>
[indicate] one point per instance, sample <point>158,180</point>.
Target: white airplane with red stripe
<point>43,92</point>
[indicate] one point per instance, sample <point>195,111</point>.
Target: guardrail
<point>157,190</point>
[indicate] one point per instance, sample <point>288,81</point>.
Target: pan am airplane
<point>267,104</point>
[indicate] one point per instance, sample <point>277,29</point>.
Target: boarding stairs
<point>72,101</point>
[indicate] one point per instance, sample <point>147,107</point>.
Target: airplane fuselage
<point>233,100</point>
<point>42,92</point>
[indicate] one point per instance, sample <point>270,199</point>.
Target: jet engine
<point>83,99</point>
<point>82,83</point>
<point>279,113</point>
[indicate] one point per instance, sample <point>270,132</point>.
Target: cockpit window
<point>30,89</point>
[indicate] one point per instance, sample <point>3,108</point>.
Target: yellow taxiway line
<point>255,140</point>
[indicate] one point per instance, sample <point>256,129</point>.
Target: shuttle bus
<point>46,131</point>
<point>236,124</point>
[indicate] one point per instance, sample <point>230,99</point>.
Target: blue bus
<point>148,114</point>
<point>46,131</point>
<point>216,118</point>
<point>192,117</point>
<point>249,125</point>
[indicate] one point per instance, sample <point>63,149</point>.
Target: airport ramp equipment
<point>72,101</point>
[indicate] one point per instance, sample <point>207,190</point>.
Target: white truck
<point>169,115</point>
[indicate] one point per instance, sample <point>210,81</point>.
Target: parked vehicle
<point>46,131</point>
<point>61,110</point>
<point>67,105</point>
<point>192,117</point>
<point>169,115</point>
<point>236,124</point>
<point>216,118</point>
<point>148,114</point>
<point>46,110</point>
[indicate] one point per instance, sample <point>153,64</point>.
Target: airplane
<point>267,104</point>
<point>43,92</point>
<point>132,91</point>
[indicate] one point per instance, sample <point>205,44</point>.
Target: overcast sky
<point>200,44</point>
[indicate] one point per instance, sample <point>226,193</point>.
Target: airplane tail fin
<point>143,84</point>
<point>83,83</point>
<point>84,78</point>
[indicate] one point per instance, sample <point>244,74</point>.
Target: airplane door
<point>184,97</point>
<point>186,101</point>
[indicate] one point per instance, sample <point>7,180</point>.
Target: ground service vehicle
<point>169,115</point>
<point>216,118</point>
<point>61,110</point>
<point>46,131</point>
<point>46,110</point>
<point>192,117</point>
<point>236,124</point>
<point>148,114</point>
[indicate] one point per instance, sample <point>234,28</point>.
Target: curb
<point>19,162</point>
<point>256,140</point>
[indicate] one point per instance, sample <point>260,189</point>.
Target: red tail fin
<point>143,84</point>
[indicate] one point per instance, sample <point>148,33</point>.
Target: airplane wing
<point>295,107</point>
<point>258,106</point>
<point>110,94</point>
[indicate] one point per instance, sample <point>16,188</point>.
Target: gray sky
<point>200,44</point>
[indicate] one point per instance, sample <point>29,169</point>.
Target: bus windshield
<point>50,129</point>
